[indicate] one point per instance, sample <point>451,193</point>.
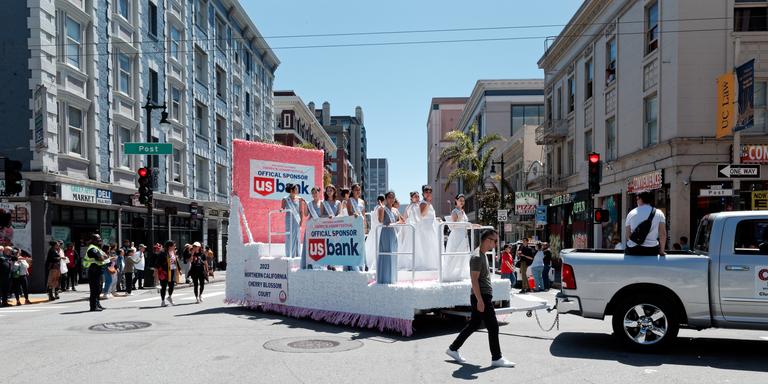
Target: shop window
<point>92,215</point>
<point>78,215</point>
<point>752,238</point>
<point>66,214</point>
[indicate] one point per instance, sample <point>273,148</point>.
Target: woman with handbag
<point>167,267</point>
<point>110,273</point>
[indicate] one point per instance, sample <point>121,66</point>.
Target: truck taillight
<point>568,278</point>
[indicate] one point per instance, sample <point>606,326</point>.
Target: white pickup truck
<point>722,282</point>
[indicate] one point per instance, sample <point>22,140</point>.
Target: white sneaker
<point>502,363</point>
<point>170,301</point>
<point>201,298</point>
<point>455,355</point>
<point>197,300</point>
<point>163,304</point>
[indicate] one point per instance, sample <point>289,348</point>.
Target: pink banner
<point>260,173</point>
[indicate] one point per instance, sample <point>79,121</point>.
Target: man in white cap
<point>139,266</point>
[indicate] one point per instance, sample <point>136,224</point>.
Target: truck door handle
<point>736,268</point>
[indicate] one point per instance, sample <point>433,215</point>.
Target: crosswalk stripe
<point>22,310</point>
<point>154,297</point>
<point>205,295</point>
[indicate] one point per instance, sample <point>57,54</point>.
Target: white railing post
<point>440,231</point>
<point>269,228</point>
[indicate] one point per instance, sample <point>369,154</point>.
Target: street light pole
<point>149,279</point>
<point>502,204</point>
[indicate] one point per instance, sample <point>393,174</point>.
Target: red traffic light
<point>143,172</point>
<point>601,216</point>
<point>594,158</point>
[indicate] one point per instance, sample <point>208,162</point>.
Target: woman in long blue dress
<point>313,210</point>
<point>293,219</point>
<point>386,265</point>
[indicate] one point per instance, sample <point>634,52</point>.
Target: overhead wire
<point>154,40</point>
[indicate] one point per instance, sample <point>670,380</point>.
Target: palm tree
<point>471,158</point>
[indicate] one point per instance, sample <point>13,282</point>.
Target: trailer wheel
<point>645,323</point>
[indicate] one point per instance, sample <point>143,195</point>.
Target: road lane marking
<point>22,311</point>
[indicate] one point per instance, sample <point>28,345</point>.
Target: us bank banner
<point>268,179</point>
<point>260,173</point>
<point>337,241</point>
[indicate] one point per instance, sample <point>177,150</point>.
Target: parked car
<point>722,282</point>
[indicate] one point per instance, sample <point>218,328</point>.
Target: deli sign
<point>268,179</point>
<point>646,182</point>
<point>754,153</point>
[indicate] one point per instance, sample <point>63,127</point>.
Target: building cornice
<point>580,22</point>
<point>478,93</point>
<point>295,103</point>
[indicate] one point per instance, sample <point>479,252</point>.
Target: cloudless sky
<point>394,84</point>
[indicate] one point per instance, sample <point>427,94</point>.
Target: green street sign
<point>147,148</point>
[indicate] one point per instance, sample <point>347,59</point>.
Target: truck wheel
<point>645,323</point>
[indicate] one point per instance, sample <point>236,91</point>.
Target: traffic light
<point>145,185</point>
<point>601,216</point>
<point>595,173</point>
<point>13,177</point>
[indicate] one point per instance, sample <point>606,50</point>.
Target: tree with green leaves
<point>471,157</point>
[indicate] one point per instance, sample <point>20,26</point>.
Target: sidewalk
<point>82,292</point>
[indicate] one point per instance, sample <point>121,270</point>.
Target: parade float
<point>260,276</point>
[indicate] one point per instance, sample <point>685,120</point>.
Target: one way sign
<point>738,171</point>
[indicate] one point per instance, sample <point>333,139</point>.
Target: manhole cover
<point>312,344</point>
<point>120,326</point>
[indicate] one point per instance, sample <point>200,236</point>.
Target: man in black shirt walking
<point>481,301</point>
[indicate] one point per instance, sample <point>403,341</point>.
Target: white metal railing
<point>269,228</point>
<point>394,227</point>
<point>440,246</point>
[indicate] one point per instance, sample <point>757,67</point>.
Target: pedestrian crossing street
<point>181,296</point>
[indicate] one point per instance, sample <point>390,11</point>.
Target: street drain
<point>312,345</point>
<point>120,326</point>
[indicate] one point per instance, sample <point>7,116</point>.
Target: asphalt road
<point>213,342</point>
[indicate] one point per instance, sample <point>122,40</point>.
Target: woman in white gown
<point>344,204</point>
<point>456,267</point>
<point>426,235</point>
<point>370,240</point>
<point>405,240</point>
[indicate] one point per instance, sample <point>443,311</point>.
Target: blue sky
<point>394,84</point>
